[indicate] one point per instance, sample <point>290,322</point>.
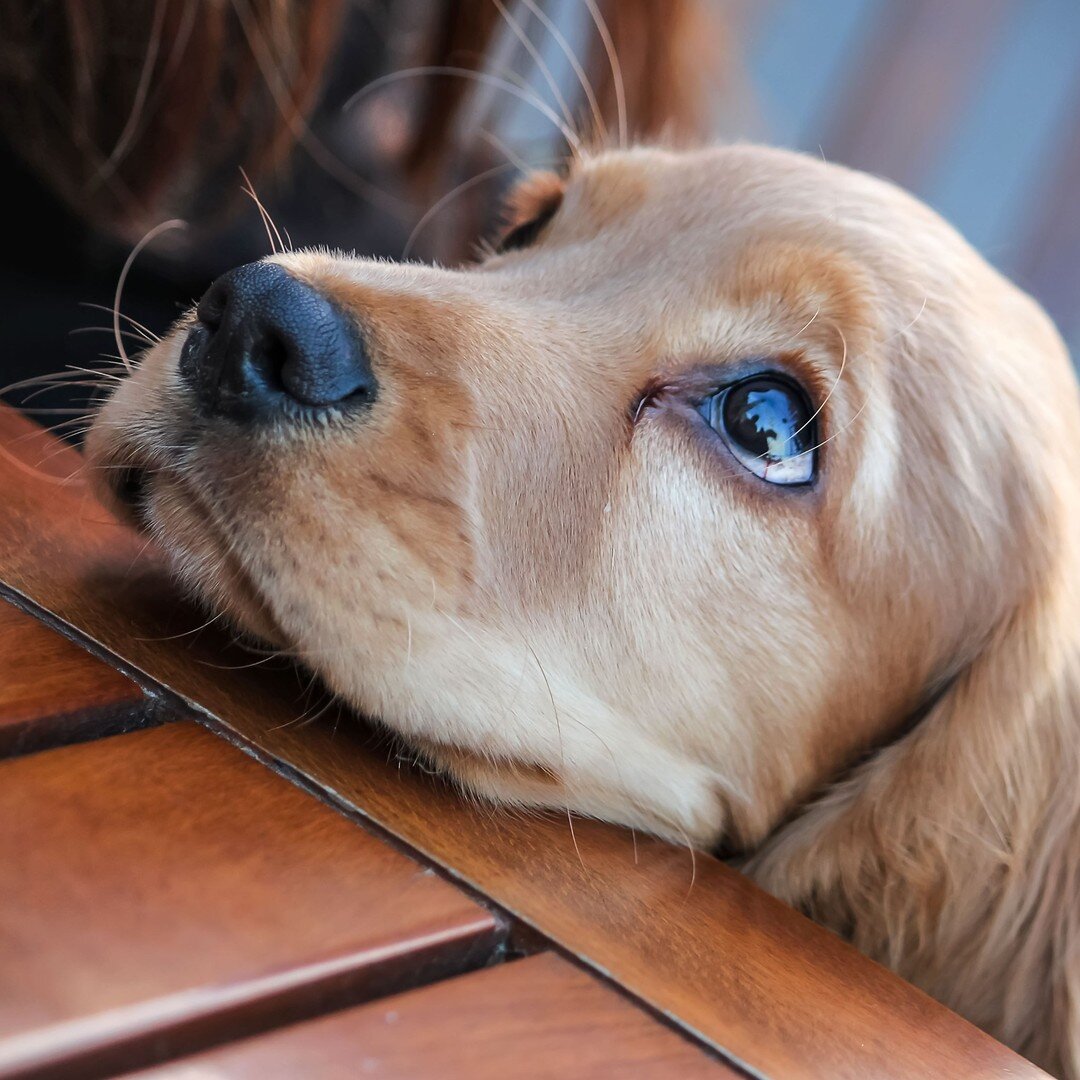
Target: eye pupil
<point>767,423</point>
<point>767,418</point>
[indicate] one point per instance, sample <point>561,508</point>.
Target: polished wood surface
<point>685,934</point>
<point>162,888</point>
<point>53,692</point>
<point>532,1019</point>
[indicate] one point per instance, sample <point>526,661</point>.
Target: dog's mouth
<point>131,487</point>
<point>193,540</point>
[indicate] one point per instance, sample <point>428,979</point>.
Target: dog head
<point>718,470</point>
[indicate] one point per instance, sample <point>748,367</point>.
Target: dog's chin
<point>221,585</point>
<point>244,610</point>
<point>501,779</point>
<point>504,779</point>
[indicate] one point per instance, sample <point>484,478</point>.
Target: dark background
<point>972,104</point>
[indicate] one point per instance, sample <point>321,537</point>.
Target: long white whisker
<point>562,750</point>
<point>506,150</point>
<point>460,189</point>
<point>59,378</point>
<point>538,60</point>
<point>157,230</point>
<point>186,633</point>
<point>476,76</point>
<point>854,417</point>
<point>571,56</point>
<point>616,70</point>
<point>832,389</point>
<point>56,386</point>
<point>267,220</point>
<point>905,329</point>
<point>810,322</point>
<point>76,370</point>
<point>133,335</point>
<point>151,336</point>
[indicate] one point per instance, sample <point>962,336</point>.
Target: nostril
<point>337,373</point>
<point>213,305</point>
<point>365,391</point>
<point>269,356</point>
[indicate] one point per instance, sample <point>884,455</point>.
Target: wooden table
<point>196,882</point>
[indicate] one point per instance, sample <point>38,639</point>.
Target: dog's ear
<point>953,854</point>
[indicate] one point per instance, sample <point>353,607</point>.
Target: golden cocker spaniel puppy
<point>734,497</point>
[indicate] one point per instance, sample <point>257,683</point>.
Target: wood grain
<point>540,1017</point>
<point>693,938</point>
<point>162,890</point>
<point>53,692</point>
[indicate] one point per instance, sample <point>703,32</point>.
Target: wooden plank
<point>53,692</point>
<point>894,113</point>
<point>540,1017</point>
<point>162,890</point>
<point>754,979</point>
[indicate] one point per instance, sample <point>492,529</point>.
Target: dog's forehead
<point>694,234</point>
<point>729,196</point>
<point>770,234</point>
<point>708,187</point>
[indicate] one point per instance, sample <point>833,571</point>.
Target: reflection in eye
<point>766,423</point>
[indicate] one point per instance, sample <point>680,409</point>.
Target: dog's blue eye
<point>766,422</point>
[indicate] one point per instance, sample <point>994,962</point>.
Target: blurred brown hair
<point>131,112</point>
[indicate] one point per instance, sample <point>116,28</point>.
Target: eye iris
<point>767,424</point>
<point>767,419</point>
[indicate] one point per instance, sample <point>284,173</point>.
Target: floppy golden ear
<point>953,854</point>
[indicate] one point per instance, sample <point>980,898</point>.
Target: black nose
<point>265,342</point>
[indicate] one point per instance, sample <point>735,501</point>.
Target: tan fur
<point>538,193</point>
<point>528,560</point>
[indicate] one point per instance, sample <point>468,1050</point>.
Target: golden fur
<point>529,562</point>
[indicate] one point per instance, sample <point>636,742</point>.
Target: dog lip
<point>132,490</point>
<point>249,608</point>
<point>126,489</point>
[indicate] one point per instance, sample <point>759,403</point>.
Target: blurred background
<point>392,127</point>
<point>972,104</point>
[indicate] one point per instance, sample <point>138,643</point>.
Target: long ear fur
<point>953,855</point>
